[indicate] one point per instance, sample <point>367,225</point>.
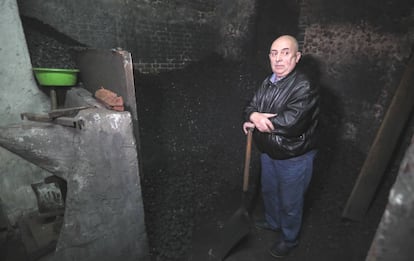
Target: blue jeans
<point>284,183</point>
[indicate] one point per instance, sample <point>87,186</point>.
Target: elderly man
<point>284,114</point>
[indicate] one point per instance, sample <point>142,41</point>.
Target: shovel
<point>238,226</point>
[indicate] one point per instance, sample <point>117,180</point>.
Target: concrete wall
<point>161,35</point>
<point>19,94</point>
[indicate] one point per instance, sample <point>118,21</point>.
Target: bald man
<point>283,114</point>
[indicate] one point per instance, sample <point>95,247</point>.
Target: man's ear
<point>298,55</point>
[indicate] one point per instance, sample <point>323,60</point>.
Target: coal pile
<point>192,146</point>
<point>49,48</point>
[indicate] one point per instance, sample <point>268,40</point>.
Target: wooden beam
<point>382,148</point>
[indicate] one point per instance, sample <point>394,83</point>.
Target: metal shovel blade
<point>238,225</point>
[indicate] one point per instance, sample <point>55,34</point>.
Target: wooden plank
<point>382,147</point>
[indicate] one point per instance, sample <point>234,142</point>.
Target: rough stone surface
<point>395,234</point>
<point>104,215</point>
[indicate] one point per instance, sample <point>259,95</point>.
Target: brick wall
<point>161,35</point>
<point>167,35</point>
<point>162,47</point>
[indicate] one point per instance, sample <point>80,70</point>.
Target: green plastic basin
<point>56,77</point>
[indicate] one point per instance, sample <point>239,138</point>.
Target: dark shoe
<point>281,249</point>
<point>262,224</point>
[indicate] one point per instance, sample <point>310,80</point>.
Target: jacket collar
<point>273,76</point>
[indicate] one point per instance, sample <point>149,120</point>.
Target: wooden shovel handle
<point>247,160</point>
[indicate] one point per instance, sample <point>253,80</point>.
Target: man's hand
<point>261,121</point>
<point>247,125</point>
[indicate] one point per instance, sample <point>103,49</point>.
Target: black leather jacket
<point>295,101</point>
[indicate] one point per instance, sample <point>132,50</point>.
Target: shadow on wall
<point>331,107</point>
<point>330,118</point>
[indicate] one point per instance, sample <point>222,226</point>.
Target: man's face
<point>283,56</point>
